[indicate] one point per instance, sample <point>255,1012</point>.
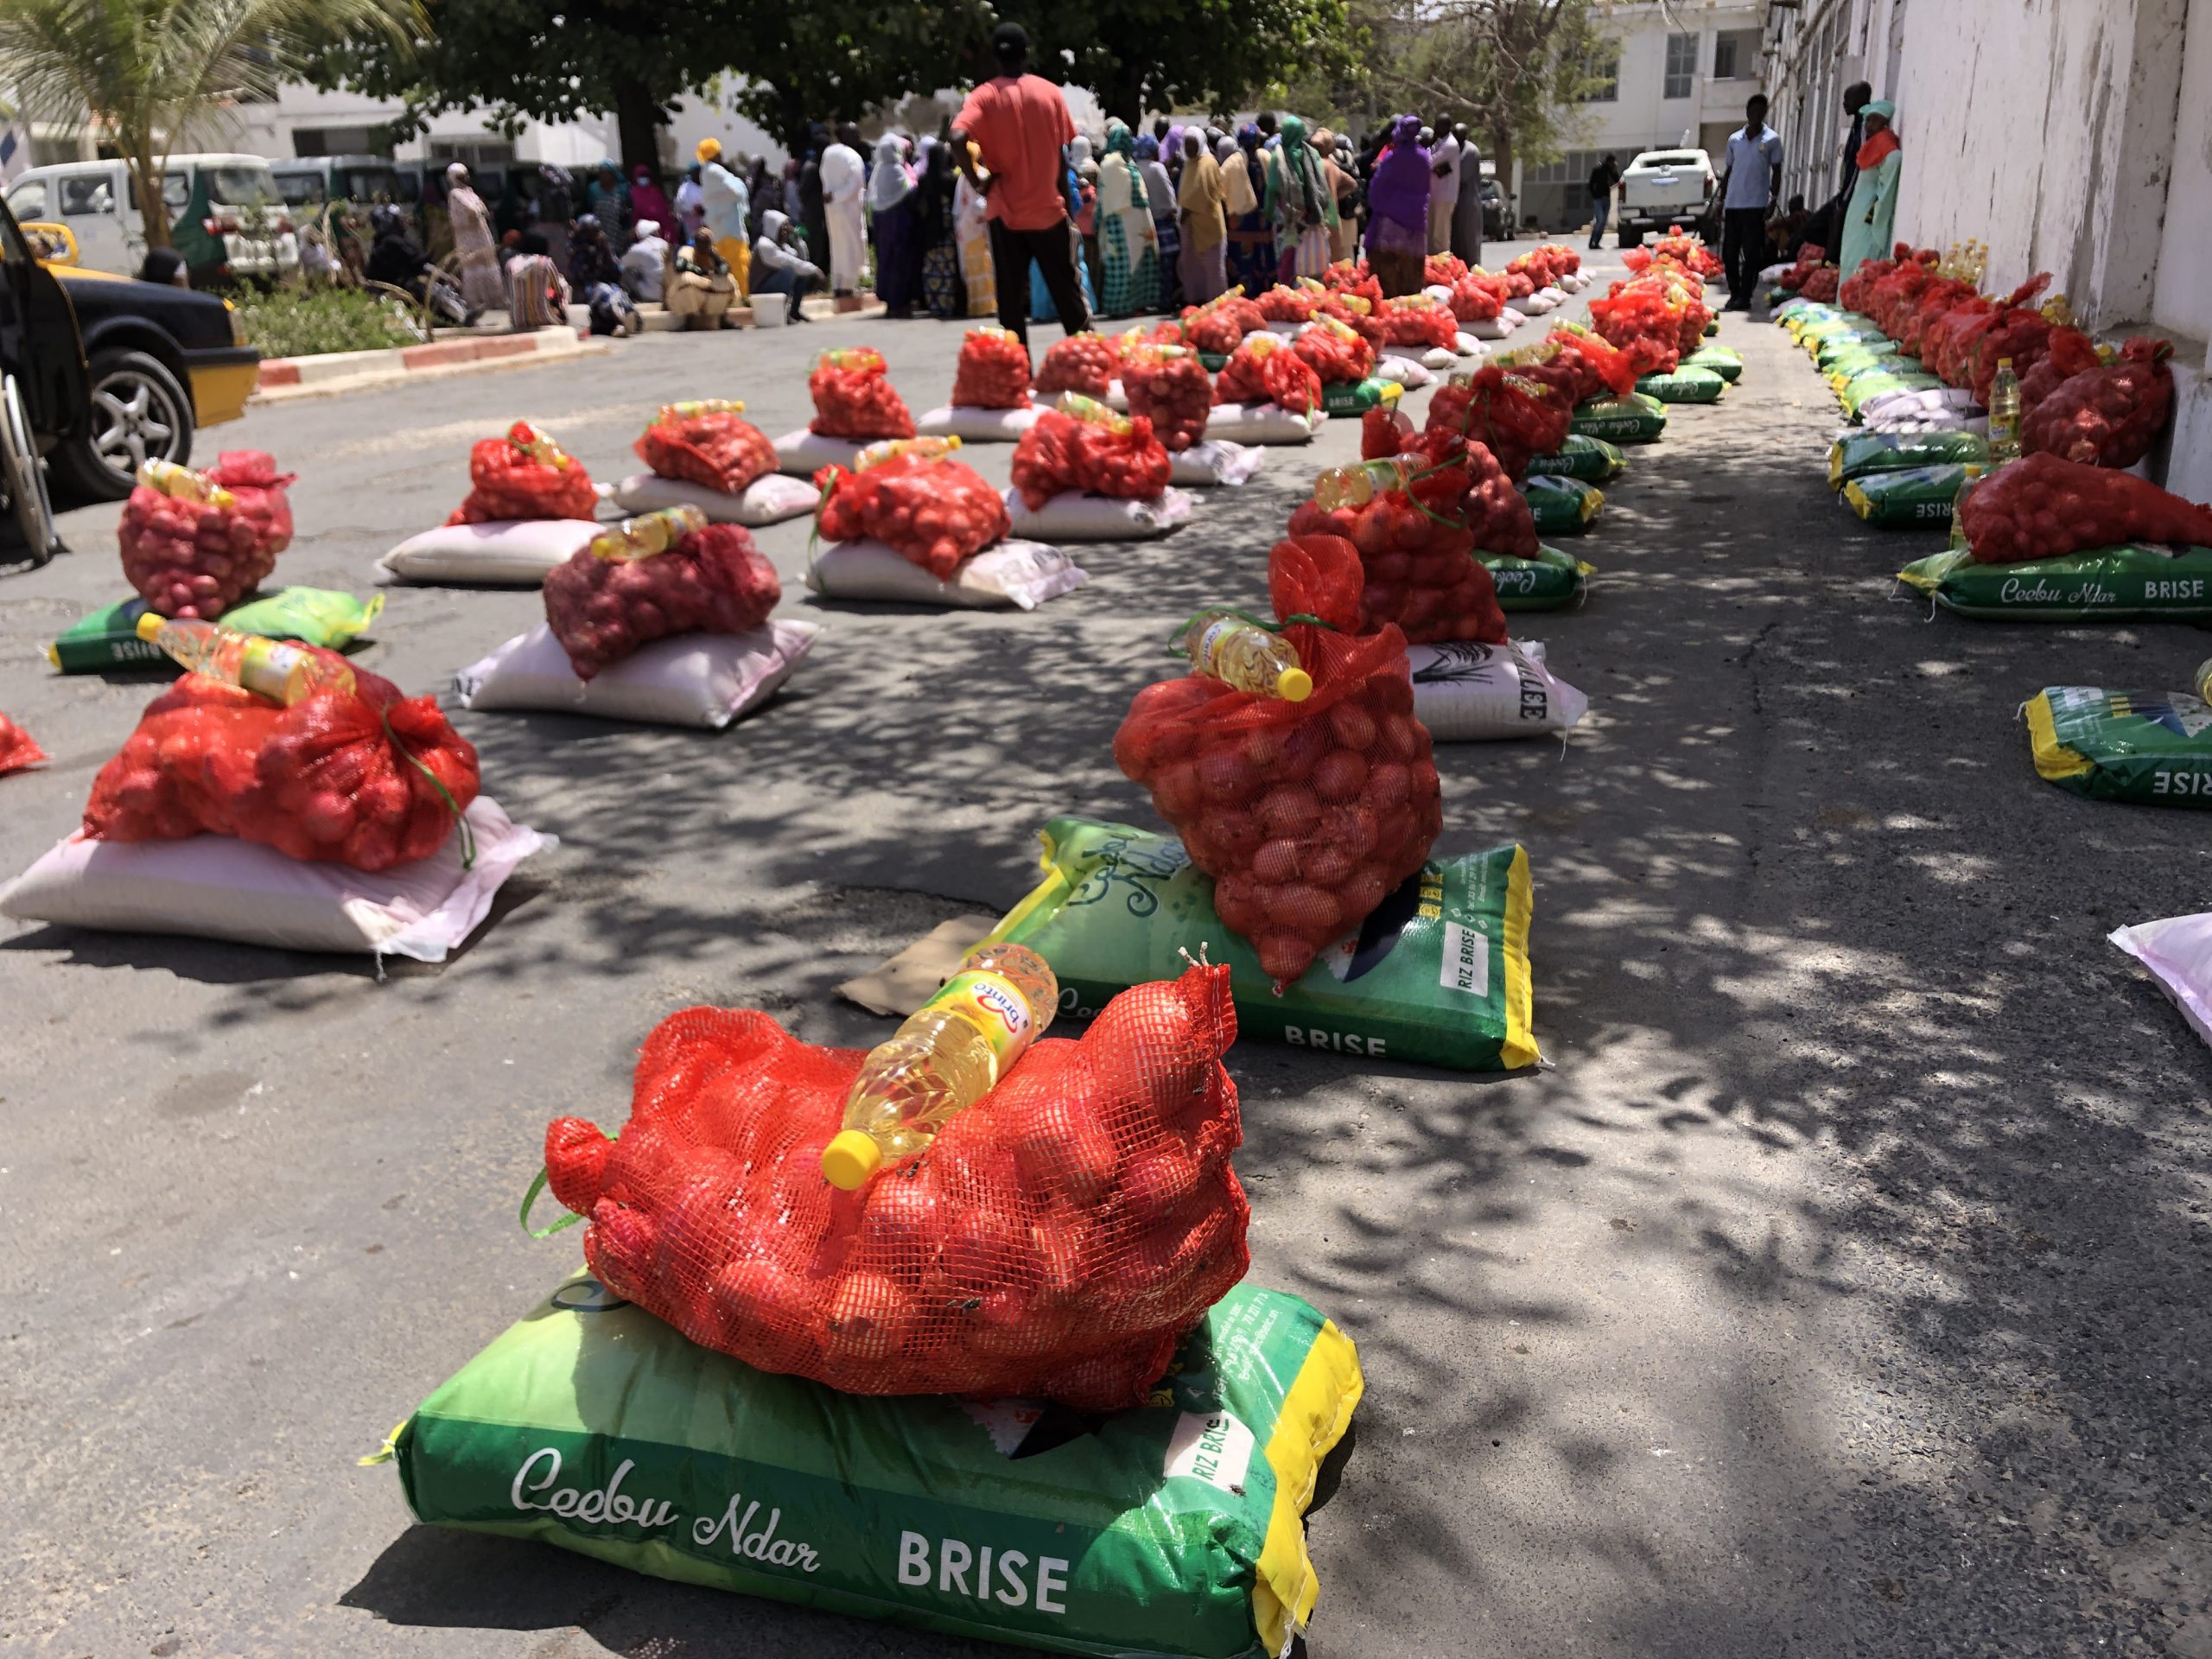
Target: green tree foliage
<point>143,73</point>
<point>1211,55</point>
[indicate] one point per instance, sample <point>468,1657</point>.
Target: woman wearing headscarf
<point>1343,187</point>
<point>1872,212</point>
<point>762,186</point>
<point>894,211</point>
<point>779,269</point>
<point>1086,223</point>
<point>1397,211</point>
<point>1160,194</point>
<point>971,230</point>
<point>1128,252</point>
<point>481,287</point>
<point>1300,206</point>
<point>691,205</point>
<point>1204,223</point>
<point>1251,238</point>
<point>701,291</point>
<point>592,259</point>
<point>647,199</point>
<point>934,202</point>
<point>607,200</point>
<point>812,221</point>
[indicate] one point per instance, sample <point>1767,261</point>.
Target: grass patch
<point>296,321</point>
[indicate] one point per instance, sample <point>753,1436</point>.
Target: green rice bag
<point>1591,460</point>
<point>1861,454</point>
<point>1176,1529</point>
<point>1712,326</point>
<point>1684,386</point>
<point>1549,580</point>
<point>1723,360</point>
<point>1214,362</point>
<point>1561,507</point>
<point>1438,975</point>
<point>1837,349</point>
<point>1633,419</point>
<point>2148,747</point>
<point>1915,498</point>
<point>318,616</point>
<point>1346,397</point>
<point>2121,583</point>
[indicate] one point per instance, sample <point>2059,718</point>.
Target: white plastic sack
<point>767,500</point>
<point>1536,304</point>
<point>806,452</point>
<point>514,553</point>
<point>1074,515</point>
<point>1553,292</point>
<point>217,887</point>
<point>1927,401</point>
<point>1117,397</point>
<point>977,425</point>
<point>1262,423</point>
<point>1576,280</point>
<point>1023,575</point>
<point>1775,273</point>
<point>1472,334</point>
<point>2178,953</point>
<point>1289,330</point>
<point>1471,693</point>
<point>1512,317</point>
<point>1210,463</point>
<point>695,679</point>
<point>1441,292</point>
<point>1404,371</point>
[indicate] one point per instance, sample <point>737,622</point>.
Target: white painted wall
<point>2182,295</point>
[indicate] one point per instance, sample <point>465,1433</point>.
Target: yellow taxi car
<point>138,368</point>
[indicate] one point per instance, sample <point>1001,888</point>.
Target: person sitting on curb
<point>779,269</point>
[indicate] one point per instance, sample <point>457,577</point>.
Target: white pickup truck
<point>1662,188</point>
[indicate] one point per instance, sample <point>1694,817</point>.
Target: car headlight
<point>237,325</point>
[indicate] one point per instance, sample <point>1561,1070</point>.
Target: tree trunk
<point>1501,154</point>
<point>146,179</point>
<point>1125,100</point>
<point>637,117</point>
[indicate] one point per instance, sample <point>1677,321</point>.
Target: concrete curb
<point>285,378</point>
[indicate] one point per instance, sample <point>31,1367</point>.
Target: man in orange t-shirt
<point>1021,122</point>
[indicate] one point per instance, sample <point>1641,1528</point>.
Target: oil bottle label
<point>995,1006</point>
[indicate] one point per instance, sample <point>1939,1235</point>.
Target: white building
<point>2069,135</point>
<point>1682,71</point>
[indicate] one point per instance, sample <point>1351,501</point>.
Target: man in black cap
<point>1020,123</point>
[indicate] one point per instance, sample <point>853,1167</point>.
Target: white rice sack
<point>1074,515</point>
<point>767,500</point>
<point>1443,360</point>
<point>1468,693</point>
<point>1576,280</point>
<point>1536,304</point>
<point>1262,423</point>
<point>1117,397</point>
<point>1774,274</point>
<point>1023,575</point>
<point>1211,462</point>
<point>217,887</point>
<point>705,680</point>
<point>2178,953</point>
<point>976,425</point>
<point>1287,330</point>
<point>1404,371</point>
<point>1473,333</point>
<point>1555,294</point>
<point>514,553</point>
<point>806,452</point>
<point>1441,292</point>
<point>1512,317</point>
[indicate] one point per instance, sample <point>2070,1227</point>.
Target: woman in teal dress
<point>1872,212</point>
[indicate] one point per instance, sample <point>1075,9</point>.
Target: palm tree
<point>142,72</point>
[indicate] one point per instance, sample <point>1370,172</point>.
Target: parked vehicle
<point>1662,188</point>
<point>112,372</point>
<point>338,191</point>
<point>229,221</point>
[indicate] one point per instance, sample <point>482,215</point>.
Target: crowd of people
<point>1010,211</point>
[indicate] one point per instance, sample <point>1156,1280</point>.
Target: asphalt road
<point>1842,1289</point>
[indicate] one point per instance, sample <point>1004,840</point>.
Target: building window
<point>1682,66</point>
<point>1735,54</point>
<point>1603,71</point>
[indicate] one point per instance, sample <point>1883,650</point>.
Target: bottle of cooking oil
<point>167,478</point>
<point>1223,646</point>
<point>1355,486</point>
<point>694,407</point>
<point>928,449</point>
<point>2003,415</point>
<point>538,446</point>
<point>2204,680</point>
<point>944,1059</point>
<point>284,673</point>
<point>1091,412</point>
<point>648,533</point>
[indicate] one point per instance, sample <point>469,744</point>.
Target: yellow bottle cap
<point>148,626</point>
<point>849,1159</point>
<point>1295,685</point>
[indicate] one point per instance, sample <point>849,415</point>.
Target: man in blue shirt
<point>1750,180</point>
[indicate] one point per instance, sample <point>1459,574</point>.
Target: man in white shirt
<point>1443,188</point>
<point>1750,180</point>
<point>842,175</point>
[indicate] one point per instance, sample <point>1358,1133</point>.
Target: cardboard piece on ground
<point>911,978</point>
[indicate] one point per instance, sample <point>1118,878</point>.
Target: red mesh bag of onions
<point>1305,814</point>
<point>1053,1240</point>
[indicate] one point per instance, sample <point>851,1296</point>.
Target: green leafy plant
<point>293,319</point>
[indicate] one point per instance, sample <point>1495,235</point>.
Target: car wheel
<point>139,414</point>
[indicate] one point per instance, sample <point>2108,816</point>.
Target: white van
<point>227,218</point>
